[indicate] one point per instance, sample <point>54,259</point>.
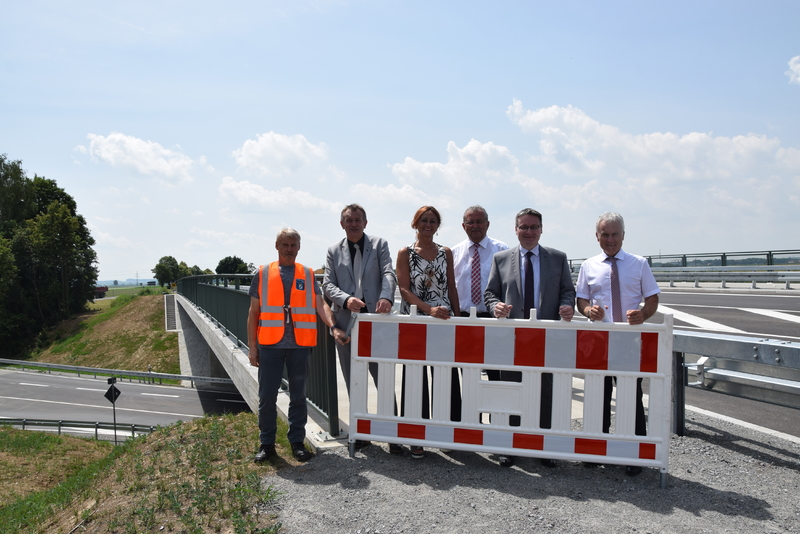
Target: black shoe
<point>548,462</point>
<point>264,453</point>
<point>394,448</point>
<point>300,452</point>
<point>633,470</point>
<point>360,444</point>
<point>505,461</point>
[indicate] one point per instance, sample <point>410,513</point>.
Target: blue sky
<point>198,129</point>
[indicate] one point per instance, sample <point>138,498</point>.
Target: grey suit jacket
<point>555,284</point>
<point>378,280</point>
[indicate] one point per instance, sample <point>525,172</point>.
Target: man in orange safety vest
<point>281,329</point>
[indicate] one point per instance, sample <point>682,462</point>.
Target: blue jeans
<point>270,374</point>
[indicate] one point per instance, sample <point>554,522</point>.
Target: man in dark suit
<point>369,291</point>
<point>525,277</point>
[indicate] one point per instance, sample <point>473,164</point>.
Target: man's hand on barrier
<point>595,312</point>
<point>501,309</point>
<point>355,305</point>
<point>566,312</point>
<point>635,316</point>
<point>339,336</point>
<point>383,306</point>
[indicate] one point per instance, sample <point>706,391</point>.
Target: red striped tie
<point>476,275</point>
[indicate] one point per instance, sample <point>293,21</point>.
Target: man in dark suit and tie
<point>525,277</point>
<point>358,279</point>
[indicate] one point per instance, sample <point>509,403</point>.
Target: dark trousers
<point>641,422</point>
<point>455,394</point>
<point>270,375</point>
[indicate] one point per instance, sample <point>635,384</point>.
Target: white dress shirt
<point>636,281</point>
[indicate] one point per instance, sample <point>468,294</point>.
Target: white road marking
<point>36,385</point>
<point>159,395</point>
<point>774,314</point>
<point>705,324</point>
<point>90,389</point>
<point>787,437</point>
<point>100,407</point>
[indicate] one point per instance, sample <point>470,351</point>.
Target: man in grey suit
<point>525,277</point>
<point>370,291</point>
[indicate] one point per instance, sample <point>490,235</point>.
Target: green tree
<point>196,270</point>
<point>46,257</point>
<point>233,265</point>
<point>166,270</point>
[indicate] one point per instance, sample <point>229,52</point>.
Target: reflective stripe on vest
<point>301,306</point>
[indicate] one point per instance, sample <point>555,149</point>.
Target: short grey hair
<point>291,233</point>
<point>476,207</point>
<point>610,216</point>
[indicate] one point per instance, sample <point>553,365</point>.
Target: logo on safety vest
<point>300,284</point>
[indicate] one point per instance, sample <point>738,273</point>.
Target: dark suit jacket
<point>555,283</point>
<point>378,280</point>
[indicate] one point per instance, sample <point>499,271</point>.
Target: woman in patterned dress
<point>425,278</point>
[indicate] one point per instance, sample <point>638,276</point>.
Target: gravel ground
<point>723,478</point>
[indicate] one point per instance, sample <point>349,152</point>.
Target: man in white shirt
<point>610,288</point>
<point>472,260</point>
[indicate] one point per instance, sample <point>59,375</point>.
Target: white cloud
<point>574,144</point>
<point>285,198</point>
<point>477,163</point>
<point>794,70</point>
<point>274,154</point>
<point>146,157</point>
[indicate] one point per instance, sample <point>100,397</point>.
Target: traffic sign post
<point>112,395</point>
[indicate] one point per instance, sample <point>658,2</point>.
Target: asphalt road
<point>34,395</point>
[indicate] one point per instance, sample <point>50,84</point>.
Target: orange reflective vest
<point>301,306</point>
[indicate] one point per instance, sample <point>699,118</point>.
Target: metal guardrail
<point>65,426</point>
<point>147,377</point>
<point>221,299</point>
<point>761,369</point>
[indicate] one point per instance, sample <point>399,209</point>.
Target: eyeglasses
<point>531,228</point>
<point>475,223</point>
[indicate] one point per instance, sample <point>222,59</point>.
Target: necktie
<point>528,285</point>
<point>357,271</point>
<point>476,276</point>
<point>616,305</point>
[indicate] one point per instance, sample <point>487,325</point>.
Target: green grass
<point>189,477</point>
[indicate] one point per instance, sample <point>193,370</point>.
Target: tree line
<point>169,270</point>
<point>48,268</point>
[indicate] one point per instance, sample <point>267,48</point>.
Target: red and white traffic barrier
<point>568,350</point>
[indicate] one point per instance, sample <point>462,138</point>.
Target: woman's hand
<point>440,312</point>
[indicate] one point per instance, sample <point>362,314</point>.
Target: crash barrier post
<point>569,350</point>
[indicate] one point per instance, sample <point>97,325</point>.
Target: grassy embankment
<point>189,477</point>
<point>126,332</point>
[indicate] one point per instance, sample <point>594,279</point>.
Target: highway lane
<point>33,395</point>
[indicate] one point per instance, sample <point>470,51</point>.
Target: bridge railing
<point>222,299</point>
<point>767,370</point>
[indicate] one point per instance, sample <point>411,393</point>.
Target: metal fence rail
<point>221,300</point>
<point>762,369</point>
<point>147,377</point>
<point>65,426</point>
